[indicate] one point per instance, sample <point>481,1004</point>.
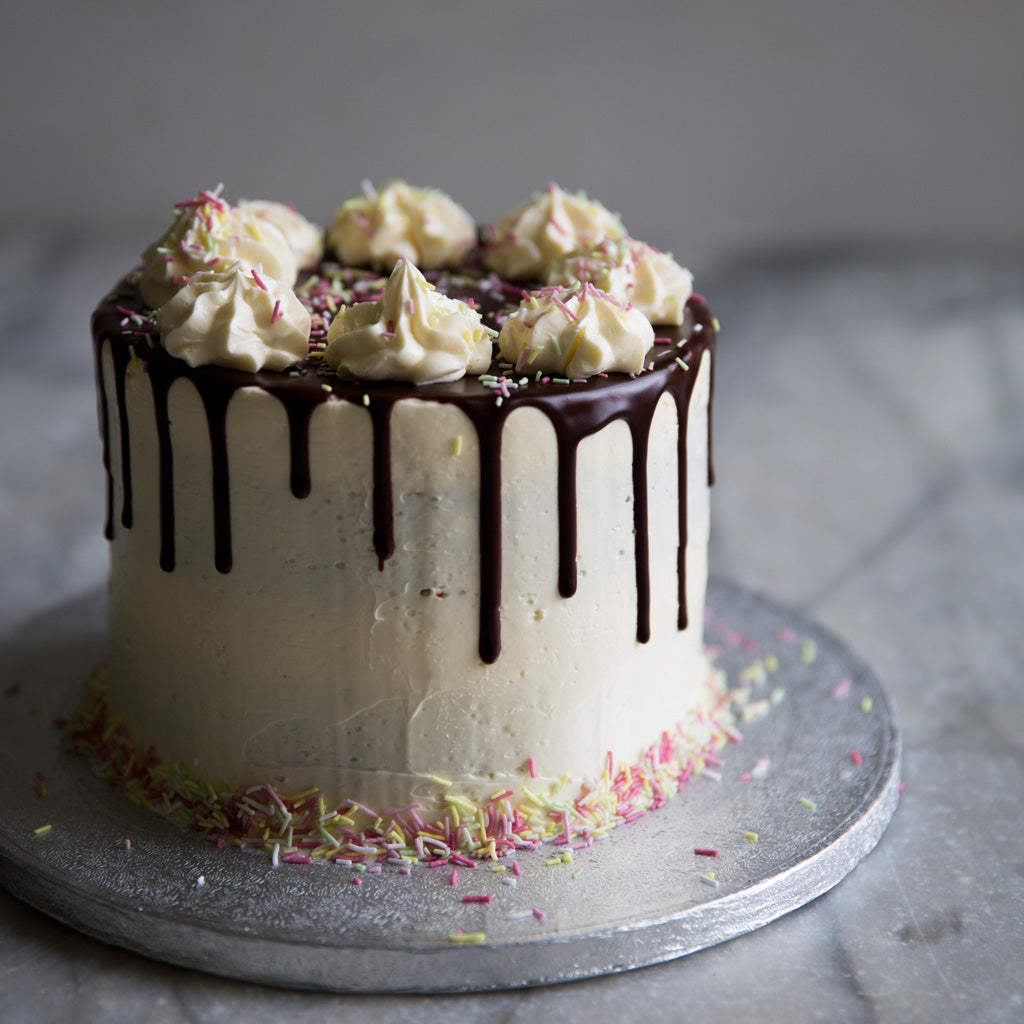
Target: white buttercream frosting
<point>305,237</point>
<point>631,271</point>
<point>546,226</point>
<point>210,234</point>
<point>413,333</point>
<point>237,318</point>
<point>399,221</point>
<point>576,332</point>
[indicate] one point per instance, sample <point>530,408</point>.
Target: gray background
<point>844,179</point>
<point>711,126</point>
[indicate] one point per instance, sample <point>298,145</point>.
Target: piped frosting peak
<point>548,225</point>
<point>632,272</point>
<point>209,233</point>
<point>413,333</point>
<point>235,318</point>
<point>577,332</point>
<point>399,221</point>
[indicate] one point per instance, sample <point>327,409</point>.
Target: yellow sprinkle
<point>306,793</point>
<point>468,938</point>
<point>751,837</point>
<point>42,830</point>
<point>441,781</point>
<point>498,869</point>
<point>366,399</point>
<point>552,862</point>
<point>567,857</point>
<point>771,662</point>
<point>808,651</point>
<point>325,387</point>
<point>457,446</point>
<point>715,323</point>
<point>867,704</point>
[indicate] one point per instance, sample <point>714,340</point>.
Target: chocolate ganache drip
<point>575,411</point>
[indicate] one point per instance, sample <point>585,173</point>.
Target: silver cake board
<point>796,805</point>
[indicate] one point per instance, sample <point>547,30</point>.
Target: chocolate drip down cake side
<point>408,529</point>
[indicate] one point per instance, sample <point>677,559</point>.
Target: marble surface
<point>869,443</point>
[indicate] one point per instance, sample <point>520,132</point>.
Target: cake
<point>410,539</point>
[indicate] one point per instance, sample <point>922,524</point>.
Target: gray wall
<point>712,127</point>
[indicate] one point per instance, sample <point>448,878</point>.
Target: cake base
<point>783,833</point>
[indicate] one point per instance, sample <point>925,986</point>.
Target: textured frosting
<point>209,234</point>
<point>413,333</point>
<point>546,226</point>
<point>305,237</point>
<point>398,221</point>
<point>235,318</point>
<point>576,331</point>
<point>632,272</point>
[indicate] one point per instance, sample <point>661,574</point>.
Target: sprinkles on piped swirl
<point>299,828</point>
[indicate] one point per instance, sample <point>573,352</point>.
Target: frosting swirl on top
<point>412,333</point>
<point>546,226</point>
<point>576,332</point>
<point>421,225</point>
<point>631,271</point>
<point>210,234</point>
<point>305,237</point>
<point>235,318</point>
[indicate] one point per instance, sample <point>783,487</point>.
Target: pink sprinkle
<point>516,869</point>
<point>745,777</point>
<point>405,870</point>
<point>662,341</point>
<point>476,899</point>
<point>276,313</point>
<point>786,635</point>
<point>409,307</point>
<point>463,861</point>
<point>697,297</point>
<point>855,757</point>
<point>128,845</point>
<point>702,852</point>
<point>539,914</point>
<point>356,880</point>
<point>531,767</point>
<point>841,689</point>
<point>258,280</point>
<point>439,862</point>
<point>454,879</point>
<point>563,307</point>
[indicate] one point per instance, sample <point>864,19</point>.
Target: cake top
<point>226,285</point>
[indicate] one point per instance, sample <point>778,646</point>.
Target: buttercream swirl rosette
<point>305,238</point>
<point>235,318</point>
<point>402,222</point>
<point>548,225</point>
<point>209,233</point>
<point>632,272</point>
<point>576,332</point>
<point>413,333</point>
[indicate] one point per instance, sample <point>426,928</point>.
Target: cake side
<point>315,661</point>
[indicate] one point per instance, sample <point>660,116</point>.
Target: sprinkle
<point>682,364</point>
<point>357,881</point>
<point>516,869</point>
<point>531,767</point>
<point>42,830</point>
<point>841,689</point>
<point>454,878</point>
<point>808,651</point>
<point>808,804</point>
<point>716,324</point>
<point>751,837</point>
<point>704,852</point>
<point>539,914</point>
<point>441,781</point>
<point>259,281</point>
<point>476,899</point>
<point>366,400</point>
<point>276,313</point>
<point>867,704</point>
<point>201,881</point>
<point>468,938</point>
<point>709,879</point>
<point>855,757</point>
<point>457,445</point>
<point>325,387</point>
<point>128,845</point>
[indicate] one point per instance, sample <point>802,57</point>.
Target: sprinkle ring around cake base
<point>788,813</point>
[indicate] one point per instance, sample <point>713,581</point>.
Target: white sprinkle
<point>201,881</point>
<point>275,859</point>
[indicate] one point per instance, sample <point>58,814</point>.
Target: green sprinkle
<point>42,830</point>
<point>808,804</point>
<point>682,364</point>
<point>576,874</point>
<point>808,651</point>
<point>468,938</point>
<point>553,862</point>
<point>751,837</point>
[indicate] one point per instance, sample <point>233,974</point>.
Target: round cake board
<point>789,813</point>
